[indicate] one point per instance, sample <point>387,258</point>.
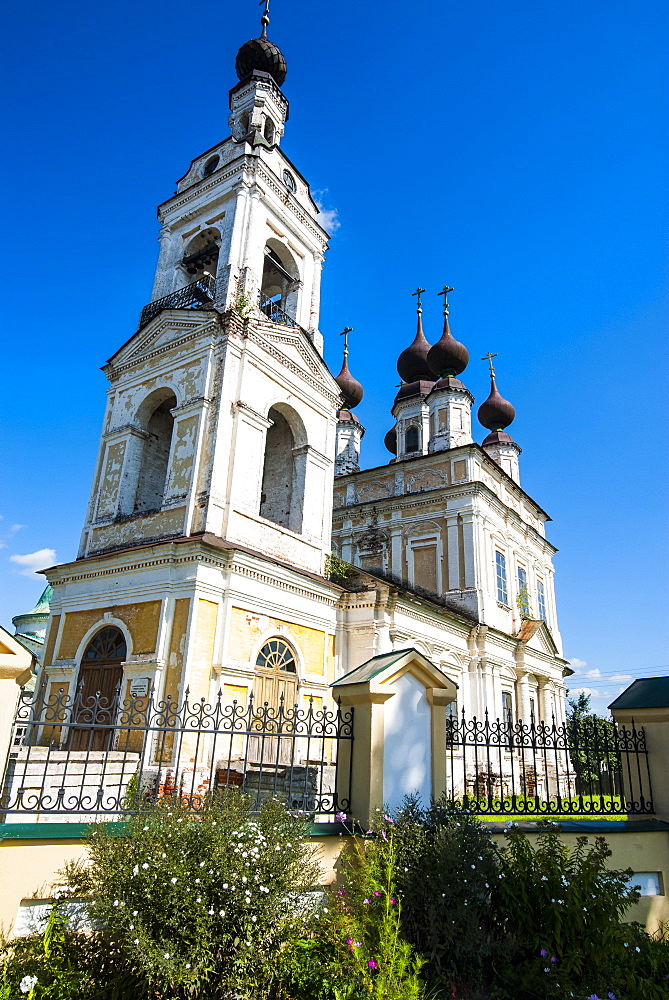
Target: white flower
<point>254,918</point>
<point>136,940</point>
<point>188,965</point>
<point>135,870</point>
<point>145,866</point>
<point>27,983</point>
<point>173,881</point>
<point>221,913</point>
<point>167,954</point>
<point>225,885</point>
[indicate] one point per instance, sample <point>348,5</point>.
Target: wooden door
<point>275,697</point>
<point>98,691</point>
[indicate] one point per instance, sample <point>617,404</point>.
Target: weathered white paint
<point>407,750</point>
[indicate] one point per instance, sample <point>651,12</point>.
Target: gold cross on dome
<point>445,290</point>
<point>488,357</point>
<point>345,332</point>
<point>419,291</point>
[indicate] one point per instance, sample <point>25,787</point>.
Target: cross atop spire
<point>488,357</point>
<point>264,20</point>
<point>445,290</point>
<point>419,305</point>
<point>345,332</point>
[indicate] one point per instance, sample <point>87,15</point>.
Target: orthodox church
<point>232,542</point>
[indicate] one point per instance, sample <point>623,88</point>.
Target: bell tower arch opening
<point>280,284</point>
<point>200,258</point>
<point>155,418</point>
<point>282,491</point>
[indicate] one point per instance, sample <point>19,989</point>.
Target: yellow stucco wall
<point>315,646</point>
<point>52,634</point>
<point>201,651</point>
<point>142,619</point>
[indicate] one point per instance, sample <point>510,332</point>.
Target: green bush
<point>61,964</point>
<point>446,866</point>
<point>201,904</point>
<point>358,949</point>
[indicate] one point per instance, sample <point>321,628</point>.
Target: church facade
<point>229,469</point>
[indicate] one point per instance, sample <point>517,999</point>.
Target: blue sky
<point>517,151</point>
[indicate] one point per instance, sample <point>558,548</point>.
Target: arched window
<point>269,130</point>
<point>98,690</point>
<point>276,655</point>
<point>155,455</point>
<point>412,439</point>
<point>282,491</point>
<point>280,283</point>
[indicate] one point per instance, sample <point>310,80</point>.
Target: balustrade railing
<point>135,750</point>
<point>575,770</point>
<point>272,310</point>
<point>198,295</point>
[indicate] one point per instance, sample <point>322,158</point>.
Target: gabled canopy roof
<point>646,692</point>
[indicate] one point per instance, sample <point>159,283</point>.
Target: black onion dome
<point>260,53</point>
<point>448,357</point>
<point>496,413</point>
<point>412,363</point>
<point>351,389</point>
<point>390,441</point>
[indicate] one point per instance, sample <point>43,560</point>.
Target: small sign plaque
<point>139,687</point>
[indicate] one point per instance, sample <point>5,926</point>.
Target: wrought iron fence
<point>572,770</point>
<point>198,295</point>
<point>273,311</point>
<point>97,756</point>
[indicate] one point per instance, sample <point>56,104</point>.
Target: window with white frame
<point>500,572</point>
<point>523,593</point>
<point>541,600</point>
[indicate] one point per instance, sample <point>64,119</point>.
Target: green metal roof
<point>646,692</point>
<point>369,669</point>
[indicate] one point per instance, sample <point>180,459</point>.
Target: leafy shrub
<point>446,866</point>
<point>200,904</point>
<point>358,950</point>
<point>61,964</point>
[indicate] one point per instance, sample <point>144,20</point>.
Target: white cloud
<point>16,527</point>
<point>577,664</point>
<point>620,678</point>
<point>329,218</point>
<point>33,561</point>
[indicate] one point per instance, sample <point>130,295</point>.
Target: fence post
<point>646,704</point>
<point>15,669</point>
<point>399,737</point>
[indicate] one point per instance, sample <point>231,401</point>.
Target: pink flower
<point>377,893</point>
<point>392,901</point>
<point>372,964</point>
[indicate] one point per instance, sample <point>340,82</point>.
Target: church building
<point>229,471</point>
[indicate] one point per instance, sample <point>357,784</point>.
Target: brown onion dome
<point>390,441</point>
<point>412,363</point>
<point>496,413</point>
<point>448,357</point>
<point>260,53</point>
<point>351,389</point>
